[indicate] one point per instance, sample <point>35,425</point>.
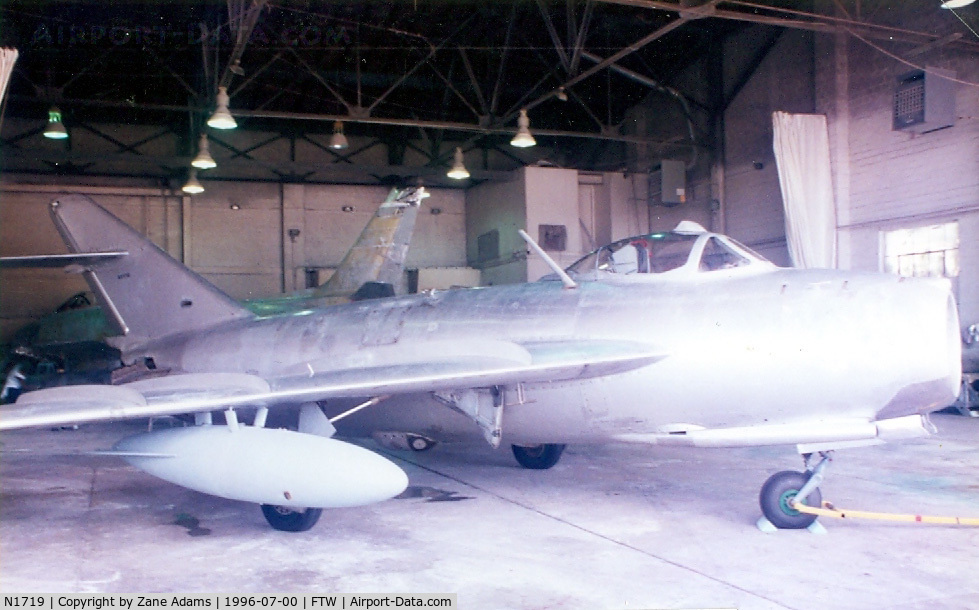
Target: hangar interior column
<point>293,236</point>
<point>568,213</point>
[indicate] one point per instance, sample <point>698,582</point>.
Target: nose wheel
<point>783,490</point>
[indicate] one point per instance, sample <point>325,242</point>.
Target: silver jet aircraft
<point>683,337</point>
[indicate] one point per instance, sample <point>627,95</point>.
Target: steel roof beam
<point>814,22</point>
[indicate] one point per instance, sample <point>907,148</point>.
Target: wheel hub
<point>786,500</point>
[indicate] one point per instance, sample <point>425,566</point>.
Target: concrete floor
<point>608,527</point>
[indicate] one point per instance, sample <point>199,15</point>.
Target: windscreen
<point>656,253</point>
<point>717,256</point>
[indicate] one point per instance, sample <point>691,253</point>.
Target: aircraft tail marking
<point>380,251</point>
<point>146,294</point>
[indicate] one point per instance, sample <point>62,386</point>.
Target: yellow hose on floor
<point>828,510</point>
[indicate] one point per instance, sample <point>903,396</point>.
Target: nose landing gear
<point>782,492</point>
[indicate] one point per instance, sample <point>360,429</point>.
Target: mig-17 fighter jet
<point>682,337</point>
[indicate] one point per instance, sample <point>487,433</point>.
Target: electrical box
<point>674,182</point>
<point>553,237</point>
<point>924,101</point>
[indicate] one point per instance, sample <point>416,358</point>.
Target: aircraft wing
<point>201,392</point>
<point>86,259</point>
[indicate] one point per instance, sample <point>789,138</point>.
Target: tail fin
<point>146,294</point>
<point>380,251</point>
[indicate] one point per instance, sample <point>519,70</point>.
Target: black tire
<point>288,520</point>
<point>775,495</point>
<point>538,457</point>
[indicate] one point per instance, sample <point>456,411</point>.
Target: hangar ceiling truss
<point>410,80</point>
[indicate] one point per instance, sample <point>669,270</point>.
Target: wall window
<point>931,251</point>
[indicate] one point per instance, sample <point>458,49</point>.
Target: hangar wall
<point>592,209</point>
<point>499,207</point>
<point>257,238</point>
<point>883,179</point>
<point>246,252</point>
<point>753,208</point>
<point>886,179</point>
<point>736,190</point>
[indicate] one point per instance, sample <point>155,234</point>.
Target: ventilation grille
<point>924,100</point>
<point>909,101</point>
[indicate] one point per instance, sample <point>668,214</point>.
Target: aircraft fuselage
<point>744,347</point>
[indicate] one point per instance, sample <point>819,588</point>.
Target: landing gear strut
<point>538,457</point>
<point>287,520</point>
<point>783,490</point>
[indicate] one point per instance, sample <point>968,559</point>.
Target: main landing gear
<point>288,520</point>
<point>538,457</point>
<point>782,492</point>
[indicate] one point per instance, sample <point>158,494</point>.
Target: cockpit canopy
<point>689,248</point>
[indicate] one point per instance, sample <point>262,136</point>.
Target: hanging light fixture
<point>956,3</point>
<point>203,160</point>
<point>55,129</point>
<point>338,141</point>
<point>458,171</point>
<point>222,119</point>
<point>523,139</point>
<point>192,186</point>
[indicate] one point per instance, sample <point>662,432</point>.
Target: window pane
<point>930,251</point>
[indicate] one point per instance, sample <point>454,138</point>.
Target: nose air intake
<point>933,351</point>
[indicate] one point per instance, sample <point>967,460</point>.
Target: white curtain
<point>7,59</point>
<point>802,156</point>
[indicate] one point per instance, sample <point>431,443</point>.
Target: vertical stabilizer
<point>380,251</point>
<point>145,294</point>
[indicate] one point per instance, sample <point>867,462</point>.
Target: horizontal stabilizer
<point>503,364</point>
<point>55,261</point>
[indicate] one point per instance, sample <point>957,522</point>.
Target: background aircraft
<point>968,401</point>
<point>683,337</point>
<point>67,347</point>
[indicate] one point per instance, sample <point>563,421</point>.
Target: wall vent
<point>924,101</point>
